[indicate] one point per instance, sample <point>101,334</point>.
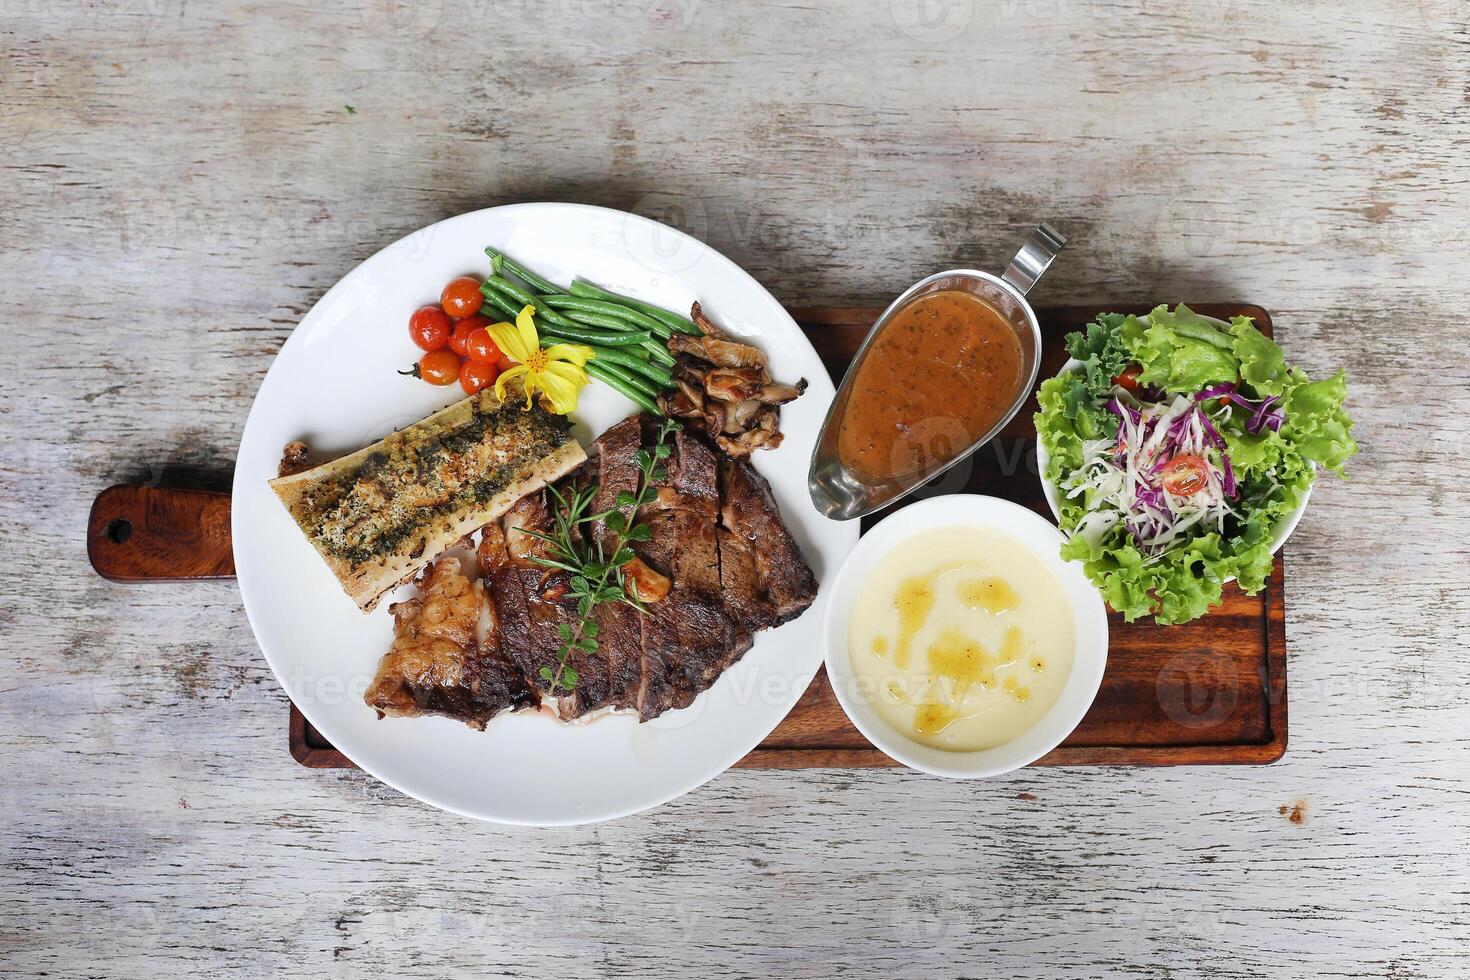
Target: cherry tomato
<point>481,347</point>
<point>429,327</point>
<point>439,367</point>
<point>1184,475</point>
<point>462,297</point>
<point>1129,378</point>
<point>461,333</point>
<point>474,375</point>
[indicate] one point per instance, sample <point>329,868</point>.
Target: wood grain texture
<point>193,171</point>
<point>1210,692</point>
<point>154,534</point>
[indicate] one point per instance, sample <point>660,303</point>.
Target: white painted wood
<point>181,182</point>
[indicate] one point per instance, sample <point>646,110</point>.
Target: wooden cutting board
<point>1209,692</point>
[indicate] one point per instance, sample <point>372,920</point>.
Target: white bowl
<point>1032,531</point>
<point>1054,499</point>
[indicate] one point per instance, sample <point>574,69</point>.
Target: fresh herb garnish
<point>596,565</point>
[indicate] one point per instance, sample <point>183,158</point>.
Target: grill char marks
<point>689,636</point>
<point>619,632</point>
<point>532,601</point>
<point>765,566</point>
<point>717,535</point>
<point>688,641</point>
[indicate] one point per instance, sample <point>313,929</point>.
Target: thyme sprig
<point>594,563</point>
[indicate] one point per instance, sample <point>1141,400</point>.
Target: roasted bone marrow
<point>380,515</point>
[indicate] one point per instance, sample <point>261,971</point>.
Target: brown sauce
<point>943,371</point>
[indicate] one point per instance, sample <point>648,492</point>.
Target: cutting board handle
<point>149,534</point>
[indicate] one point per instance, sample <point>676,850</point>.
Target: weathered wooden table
<point>182,181</point>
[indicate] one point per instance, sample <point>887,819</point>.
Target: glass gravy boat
<point>838,493</point>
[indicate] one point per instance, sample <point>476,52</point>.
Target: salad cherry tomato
<point>437,367</point>
<point>461,333</point>
<point>480,347</point>
<point>1184,475</point>
<point>462,297</point>
<point>1128,380</point>
<point>429,327</point>
<point>475,375</point>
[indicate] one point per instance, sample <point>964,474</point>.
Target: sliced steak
<point>683,547</point>
<point>694,474</point>
<point>740,584</point>
<point>759,540</point>
<point>619,636</point>
<point>620,641</point>
<point>688,641</point>
<point>616,461</point>
<point>689,636</point>
<point>531,603</point>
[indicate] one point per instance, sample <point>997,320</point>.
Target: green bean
<point>605,321</point>
<point>586,335</point>
<point>573,305</point>
<point>500,306</point>
<point>658,353</point>
<point>630,363</point>
<point>624,357</point>
<point>497,306</point>
<point>510,290</point>
<point>638,351</point>
<point>585,289</point>
<point>607,375</point>
<point>544,286</point>
<point>636,380</point>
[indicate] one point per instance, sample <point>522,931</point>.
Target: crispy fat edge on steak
<point>437,664</point>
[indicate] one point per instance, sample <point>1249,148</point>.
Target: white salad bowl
<point>1054,494</point>
<point>1034,533</point>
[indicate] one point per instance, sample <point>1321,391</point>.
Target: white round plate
<point>333,385</point>
<point>1030,531</point>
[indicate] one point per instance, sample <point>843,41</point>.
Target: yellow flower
<point>555,372</point>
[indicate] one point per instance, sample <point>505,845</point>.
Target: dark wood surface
<point>149,534</point>
<point>1209,692</point>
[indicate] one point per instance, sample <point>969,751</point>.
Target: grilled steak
<point>760,547</point>
<point>437,665</point>
<point>731,568</point>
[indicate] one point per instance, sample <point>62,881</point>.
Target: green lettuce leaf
<point>1316,425</point>
<point>1262,364</point>
<point>1056,429</point>
<point>1176,588</point>
<point>1100,350</point>
<point>1071,415</point>
<point>1182,351</point>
